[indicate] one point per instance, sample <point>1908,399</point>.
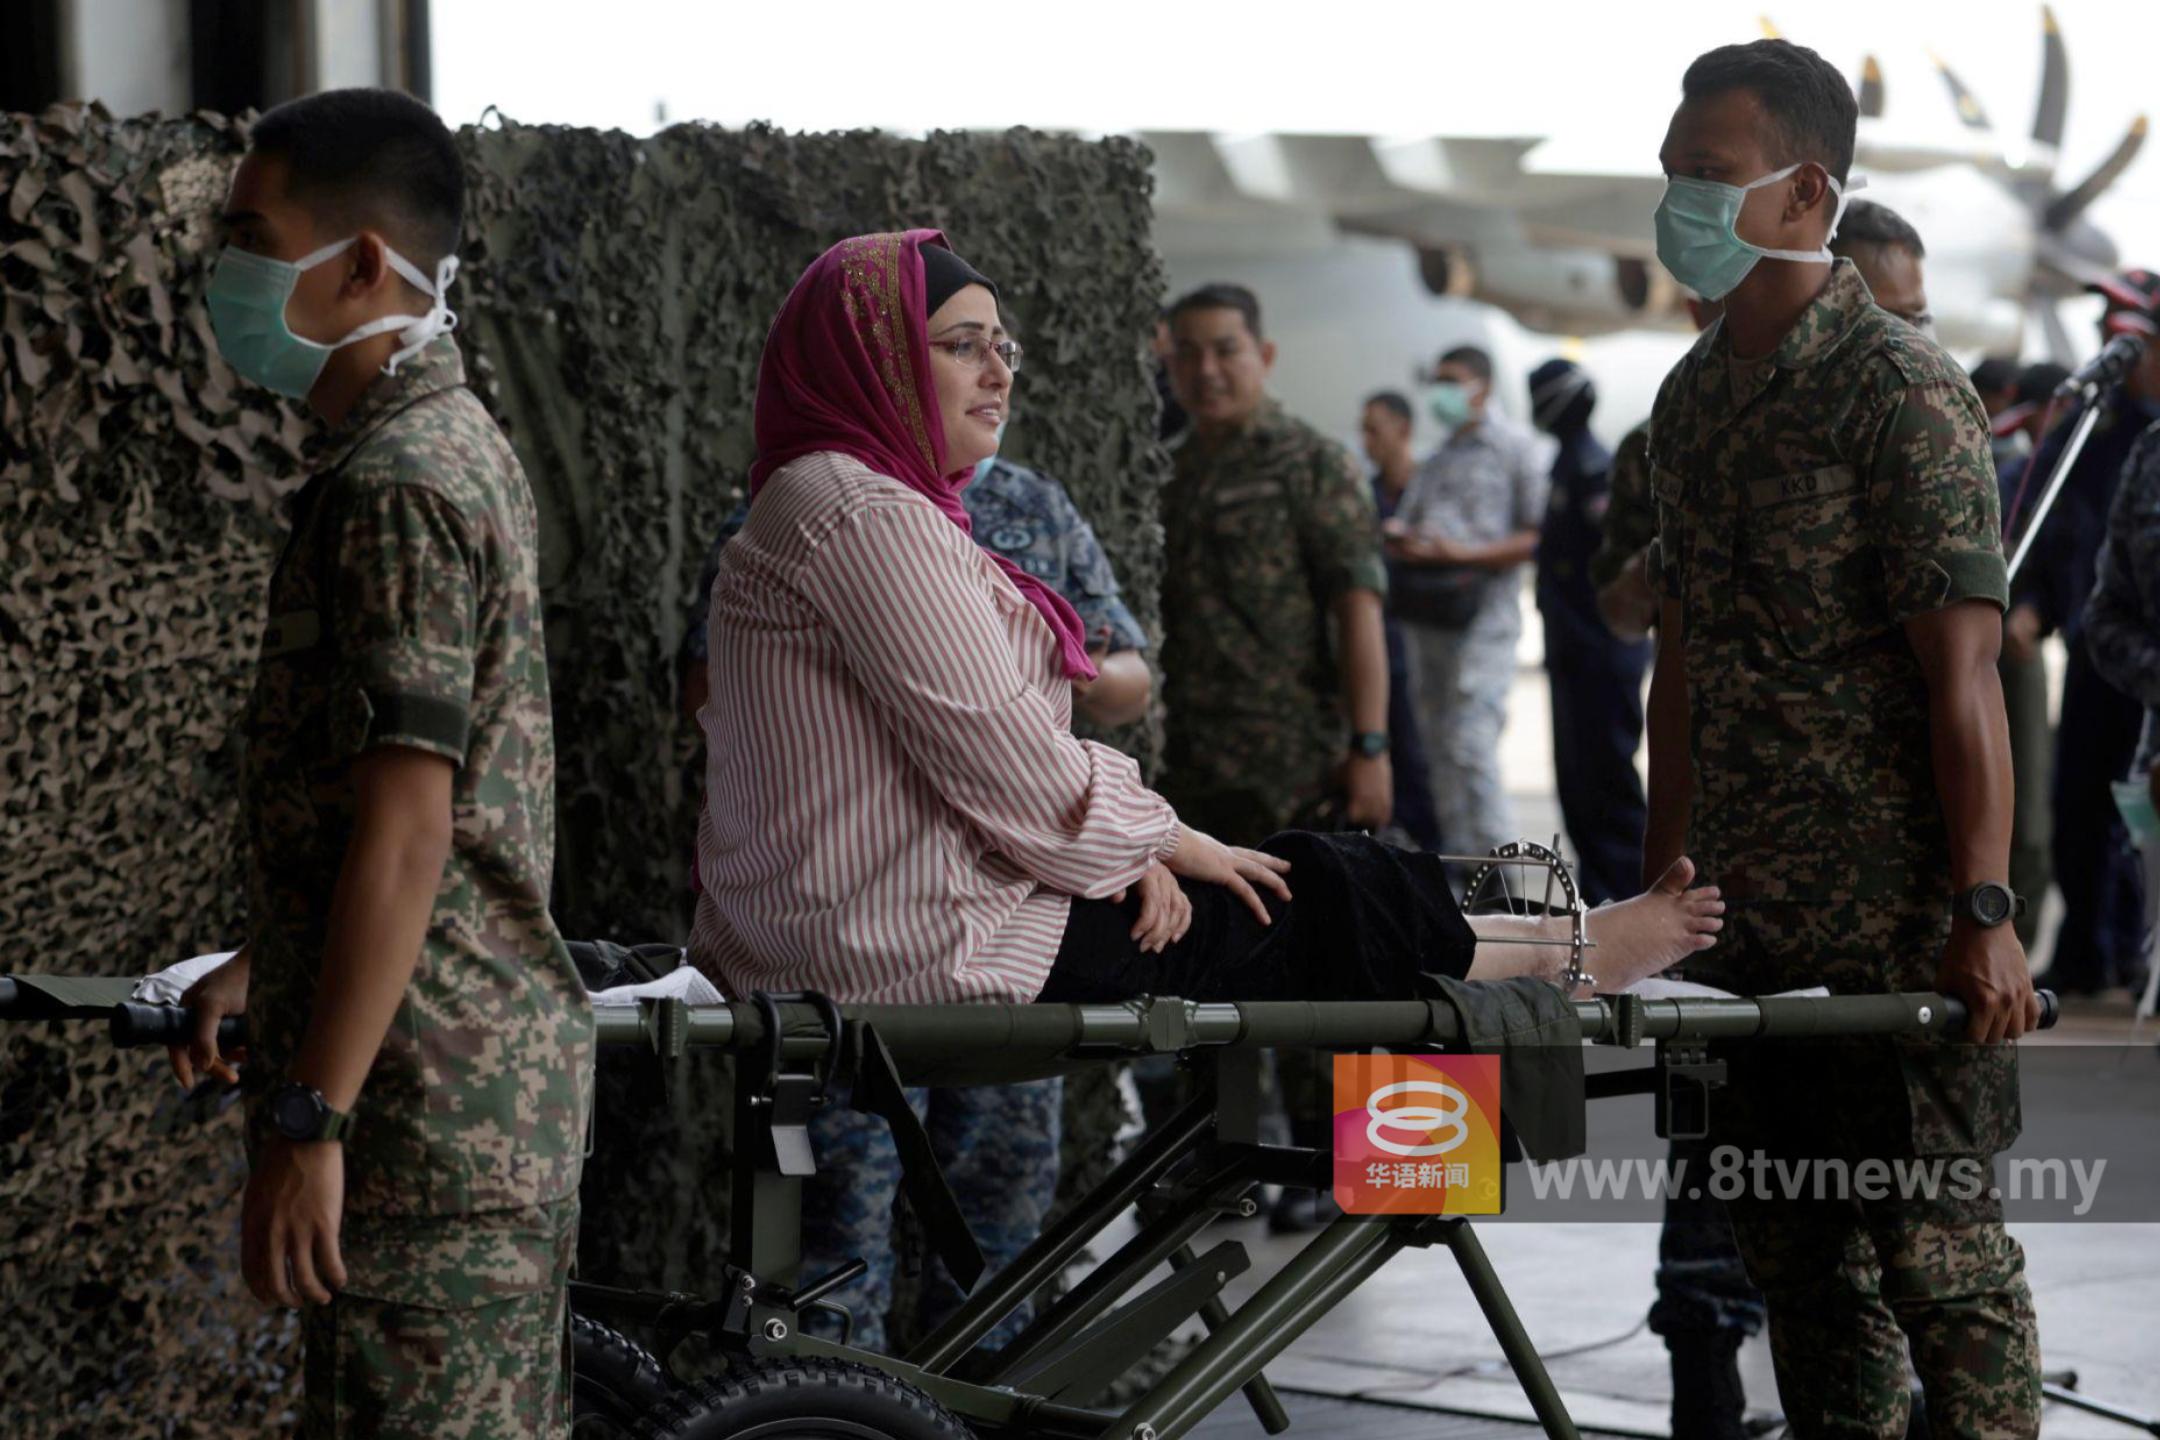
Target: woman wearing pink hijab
<point>896,809</point>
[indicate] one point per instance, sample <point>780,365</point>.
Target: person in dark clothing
<point>2099,940</point>
<point>1596,678</point>
<point>2017,415</point>
<point>1995,381</point>
<point>1385,428</point>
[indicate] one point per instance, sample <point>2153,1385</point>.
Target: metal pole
<point>2069,457</point>
<point>1507,1328</point>
<point>1267,1406</point>
<point>1337,1261</point>
<point>999,1293</point>
<point>2063,1395</point>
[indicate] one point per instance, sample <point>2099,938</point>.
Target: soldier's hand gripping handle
<point>219,995</point>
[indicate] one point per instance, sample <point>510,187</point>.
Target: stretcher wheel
<point>615,1382</point>
<point>809,1399</point>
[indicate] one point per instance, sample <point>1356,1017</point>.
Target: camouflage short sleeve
<point>402,622</point>
<point>1665,556</point>
<point>1631,513</point>
<point>1937,514</point>
<point>1340,529</point>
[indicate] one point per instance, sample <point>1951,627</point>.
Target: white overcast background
<point>1598,77</point>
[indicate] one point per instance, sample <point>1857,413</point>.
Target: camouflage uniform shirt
<point>1809,504</point>
<point>405,611</point>
<point>1263,529</point>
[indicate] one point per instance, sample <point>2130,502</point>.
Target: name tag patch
<point>1240,494</point>
<point>1803,485</point>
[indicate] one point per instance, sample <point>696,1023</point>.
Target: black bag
<point>1445,597</point>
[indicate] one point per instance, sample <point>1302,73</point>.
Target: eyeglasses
<point>975,354</point>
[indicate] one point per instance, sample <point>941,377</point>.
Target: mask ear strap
<point>1845,193</point>
<point>316,257</point>
<point>440,318</point>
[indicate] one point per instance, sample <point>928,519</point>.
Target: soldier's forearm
<point>1969,733</point>
<point>1363,643</point>
<point>379,915</point>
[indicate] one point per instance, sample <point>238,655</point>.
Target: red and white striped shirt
<point>896,809</point>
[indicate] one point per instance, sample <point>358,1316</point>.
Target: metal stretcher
<point>794,1054</point>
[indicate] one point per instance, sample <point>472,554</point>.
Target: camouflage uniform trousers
<point>448,1355</point>
<point>1848,1280</point>
<point>1463,679</point>
<point>998,1147</point>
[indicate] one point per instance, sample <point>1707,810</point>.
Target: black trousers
<point>1597,717</point>
<point>1364,921</point>
<point>2103,911</point>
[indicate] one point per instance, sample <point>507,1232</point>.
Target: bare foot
<point>1658,928</point>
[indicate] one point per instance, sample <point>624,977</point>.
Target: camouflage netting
<point>615,295</point>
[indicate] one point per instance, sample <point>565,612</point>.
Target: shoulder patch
<point>449,446</point>
<point>1917,359</point>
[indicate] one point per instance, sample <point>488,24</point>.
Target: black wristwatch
<point>1988,905</point>
<point>1369,744</point>
<point>299,1113</point>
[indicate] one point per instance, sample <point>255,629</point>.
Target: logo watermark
<point>1397,1116</point>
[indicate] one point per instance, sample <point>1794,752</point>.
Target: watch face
<point>1991,904</point>
<point>296,1113</point>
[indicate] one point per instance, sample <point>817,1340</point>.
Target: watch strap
<point>336,1125</point>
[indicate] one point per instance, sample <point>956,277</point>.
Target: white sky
<point>1600,77</point>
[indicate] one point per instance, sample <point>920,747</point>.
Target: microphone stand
<point>2089,397</point>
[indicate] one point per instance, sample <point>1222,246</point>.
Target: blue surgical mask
<point>1696,240</point>
<point>247,298</point>
<point>1449,403</point>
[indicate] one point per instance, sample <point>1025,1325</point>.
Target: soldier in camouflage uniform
<point>997,1144</point>
<point>1274,654</point>
<point>1826,741</point>
<point>420,1048</point>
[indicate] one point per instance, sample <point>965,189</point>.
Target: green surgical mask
<point>1448,401</point>
<point>1697,241</point>
<point>247,298</point>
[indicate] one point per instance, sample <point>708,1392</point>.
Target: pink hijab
<point>847,368</point>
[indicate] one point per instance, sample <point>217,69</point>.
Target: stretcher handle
<point>134,1023</point>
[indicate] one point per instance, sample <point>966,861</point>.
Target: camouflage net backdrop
<point>615,295</point>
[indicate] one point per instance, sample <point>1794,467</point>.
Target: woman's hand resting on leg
<point>1165,910</point>
<point>1203,857</point>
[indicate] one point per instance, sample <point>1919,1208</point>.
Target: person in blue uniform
<point>1596,678</point>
